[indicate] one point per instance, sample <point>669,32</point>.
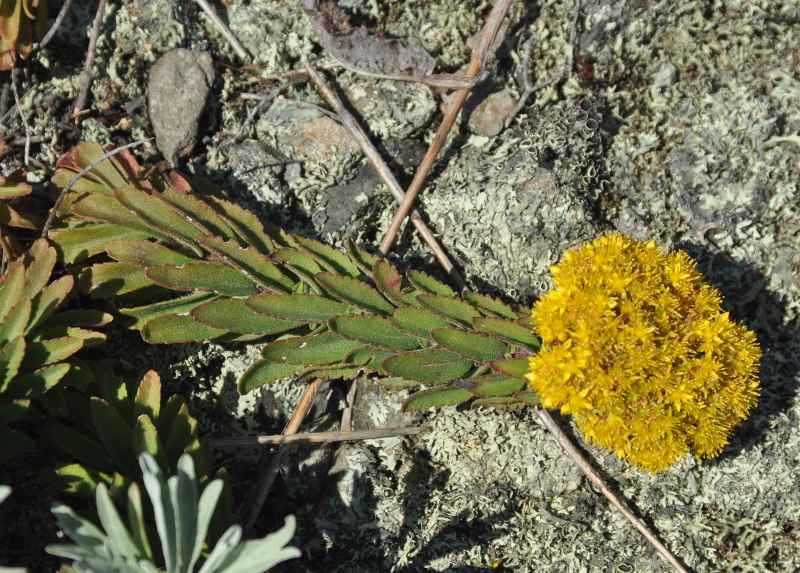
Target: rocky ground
<point>678,123</point>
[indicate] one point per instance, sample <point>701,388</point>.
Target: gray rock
<point>490,116</point>
<point>180,82</point>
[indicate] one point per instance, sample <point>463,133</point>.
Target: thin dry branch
<point>54,28</point>
<point>273,466</point>
<point>22,117</point>
<point>86,75</point>
<point>224,30</point>
<point>474,70</point>
<point>361,137</point>
<point>320,437</point>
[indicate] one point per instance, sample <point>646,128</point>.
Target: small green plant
<point>13,189</point>
<point>21,21</point>
<point>636,347</point>
<point>37,338</point>
<point>182,521</point>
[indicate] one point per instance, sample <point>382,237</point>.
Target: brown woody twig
<point>54,28</point>
<point>224,30</point>
<point>86,75</point>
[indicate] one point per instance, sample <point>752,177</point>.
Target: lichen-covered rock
<point>180,83</point>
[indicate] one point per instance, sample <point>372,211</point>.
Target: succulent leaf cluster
<point>146,238</point>
<point>182,522</point>
<point>38,338</point>
<point>637,348</point>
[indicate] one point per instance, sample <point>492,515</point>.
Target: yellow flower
<point>637,348</point>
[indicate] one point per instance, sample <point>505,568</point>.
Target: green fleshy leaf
<point>243,222</point>
<point>428,284</point>
<point>328,257</point>
<point>333,372</point>
<point>200,212</point>
<point>148,396</point>
<point>11,412</point>
<point>374,331</point>
<point>41,259</point>
<point>115,435</point>
<point>182,305</point>
<point>514,367</point>
<point>490,305</point>
<point>76,479</point>
<point>436,398</point>
<point>507,330</point>
<point>145,439</point>
<point>12,442</point>
<point>50,298</point>
<point>492,385</point>
<point>297,259</point>
<point>417,320</point>
<point>172,328</point>
<point>40,354</point>
<point>105,280</point>
<point>496,402</point>
<point>249,261</point>
<point>453,310</point>
<point>86,317</point>
<point>265,372</point>
<point>355,292</point>
<point>470,345</point>
<point>315,349</point>
<point>98,207</point>
<point>529,398</point>
<point>82,448</point>
<point>144,253</point>
<point>363,260</point>
<point>170,411</point>
<point>10,360</point>
<point>211,277</point>
<point>36,383</point>
<point>161,215</point>
<point>302,307</point>
<point>77,244</point>
<point>369,358</point>
<point>389,281</point>
<point>233,315</point>
<point>16,320</point>
<point>89,337</point>
<point>432,366</point>
<point>11,288</point>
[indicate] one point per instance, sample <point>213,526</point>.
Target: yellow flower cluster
<point>636,347</point>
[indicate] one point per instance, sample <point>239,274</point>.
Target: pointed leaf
<point>36,383</point>
<point>200,212</point>
<point>490,305</point>
<point>316,349</point>
<point>302,307</point>
<point>136,521</point>
<point>470,345</point>
<point>507,330</point>
<point>432,366</point>
<point>41,259</point>
<point>113,526</point>
<point>87,317</point>
<point>148,396</point>
<point>77,244</point>
<point>496,402</point>
<point>11,288</point>
<point>146,439</point>
<point>40,354</point>
<point>98,207</point>
<point>428,284</point>
<point>115,435</point>
<point>364,261</point>
<point>205,511</point>
<point>374,331</point>
<point>181,435</point>
<point>16,320</point>
<point>173,328</point>
<point>417,320</point>
<point>182,305</point>
<point>11,357</point>
<point>529,398</point>
<point>105,280</point>
<point>264,372</point>
<point>514,367</point>
<point>389,281</point>
<point>453,310</point>
<point>235,316</point>
<point>210,277</point>
<point>144,253</point>
<point>300,263</point>
<point>250,262</point>
<point>492,385</point>
<point>328,257</point>
<point>244,222</point>
<point>436,398</point>
<point>355,292</point>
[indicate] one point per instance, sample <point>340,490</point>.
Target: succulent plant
<point>13,189</point>
<point>636,347</point>
<point>110,428</point>
<point>182,521</point>
<point>20,22</point>
<point>338,314</point>
<point>37,338</point>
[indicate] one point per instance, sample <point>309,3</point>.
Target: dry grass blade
<point>224,30</point>
<point>352,126</point>
<point>473,70</point>
<point>54,28</point>
<point>320,437</point>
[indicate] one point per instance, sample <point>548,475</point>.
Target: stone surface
<point>489,117</point>
<point>180,83</point>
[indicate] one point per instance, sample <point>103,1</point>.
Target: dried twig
<point>320,437</point>
<point>565,72</point>
<point>86,74</point>
<point>224,30</point>
<point>68,186</point>
<point>54,28</point>
<point>346,423</point>
<point>350,123</point>
<point>22,117</point>
<point>273,466</point>
<point>473,70</point>
<point>586,467</point>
